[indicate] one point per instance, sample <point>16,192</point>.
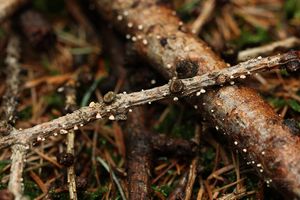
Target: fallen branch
<point>10,106</point>
<point>250,123</point>
<point>9,100</point>
<point>115,106</point>
<point>139,156</point>
<point>7,8</point>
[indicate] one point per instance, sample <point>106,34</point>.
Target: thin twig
<point>121,103</point>
<point>10,104</point>
<point>264,50</point>
<point>70,103</point>
<point>206,13</point>
<point>193,167</point>
<point>158,35</point>
<point>139,155</point>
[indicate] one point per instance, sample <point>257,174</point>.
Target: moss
<point>294,105</point>
<point>292,9</point>
<point>276,102</point>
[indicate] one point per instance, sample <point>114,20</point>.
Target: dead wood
<point>250,123</point>
<point>139,156</point>
<point>70,92</point>
<point>9,105</point>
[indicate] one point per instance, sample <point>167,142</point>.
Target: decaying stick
<point>9,100</point>
<point>115,106</point>
<point>139,156</point>
<point>70,105</point>
<point>10,105</point>
<point>268,48</point>
<point>8,7</point>
<point>249,122</point>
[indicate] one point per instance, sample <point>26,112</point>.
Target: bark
<point>248,121</point>
<point>7,8</point>
<point>139,156</point>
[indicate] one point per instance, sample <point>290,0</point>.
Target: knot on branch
<point>109,97</point>
<point>5,128</point>
<point>176,86</point>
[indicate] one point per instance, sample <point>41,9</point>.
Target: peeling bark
<point>249,122</point>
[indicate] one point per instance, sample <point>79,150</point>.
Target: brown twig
<point>159,37</point>
<point>207,9</point>
<point>70,106</point>
<point>117,105</point>
<point>139,156</point>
